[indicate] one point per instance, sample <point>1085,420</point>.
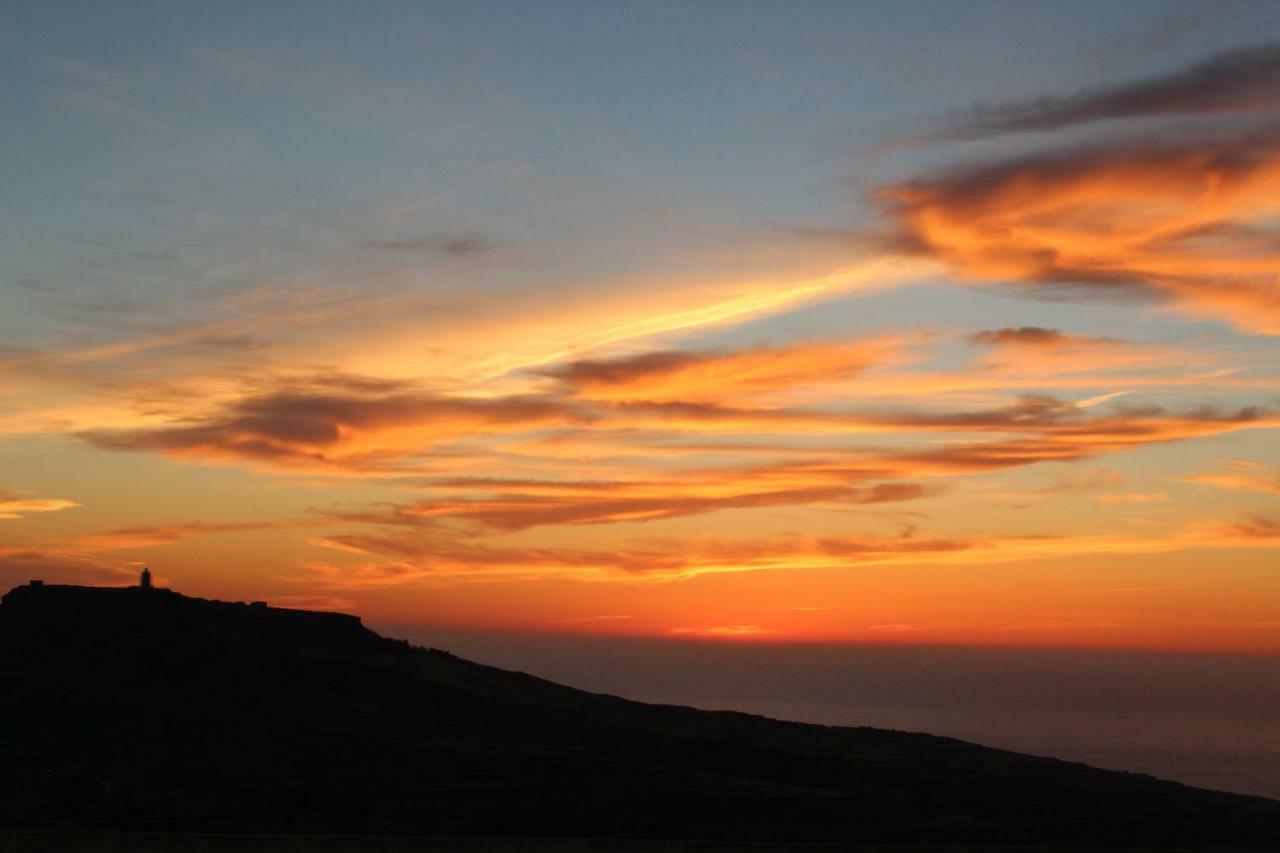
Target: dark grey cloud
<point>620,371</point>
<point>1255,526</point>
<point>455,245</point>
<point>1244,80</point>
<point>1030,336</point>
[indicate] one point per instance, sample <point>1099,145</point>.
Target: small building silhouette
<point>145,580</point>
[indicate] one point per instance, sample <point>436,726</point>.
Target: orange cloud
<point>353,429</point>
<point>145,536</point>
<point>521,505</point>
<point>1242,475</point>
<point>684,375</point>
<point>20,564</point>
<point>421,557</point>
<point>1042,430</point>
<point>425,557</point>
<point>722,631</point>
<point>1037,353</point>
<point>1134,498</point>
<point>1254,527</point>
<point>1191,222</point>
<point>1034,430</point>
<point>12,506</point>
<point>1032,414</point>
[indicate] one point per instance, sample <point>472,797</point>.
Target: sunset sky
<point>877,322</point>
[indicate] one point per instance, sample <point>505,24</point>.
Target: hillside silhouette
<point>144,710</point>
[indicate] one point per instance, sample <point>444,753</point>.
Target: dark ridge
<point>142,710</point>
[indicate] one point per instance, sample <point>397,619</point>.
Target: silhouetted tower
<point>145,580</point>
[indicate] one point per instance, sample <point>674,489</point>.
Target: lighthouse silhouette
<point>145,580</point>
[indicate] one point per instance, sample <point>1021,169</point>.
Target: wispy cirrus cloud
<point>102,91</point>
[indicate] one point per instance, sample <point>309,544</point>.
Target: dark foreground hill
<point>137,709</point>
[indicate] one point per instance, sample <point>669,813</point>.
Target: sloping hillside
<point>147,710</point>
